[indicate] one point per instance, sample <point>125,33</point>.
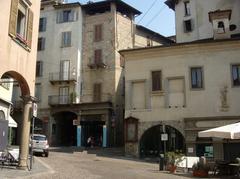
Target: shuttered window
<point>67,16</point>
<point>97,90</point>
<point>39,68</point>
<point>196,77</point>
<point>98,56</point>
<point>66,39</point>
<point>21,22</point>
<point>42,24</point>
<point>156,81</point>
<point>41,44</point>
<point>98,33</point>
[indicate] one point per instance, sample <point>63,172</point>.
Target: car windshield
<point>41,138</point>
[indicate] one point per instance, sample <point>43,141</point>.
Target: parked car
<point>40,144</point>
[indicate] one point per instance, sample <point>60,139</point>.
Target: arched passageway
<point>151,144</point>
<point>64,133</point>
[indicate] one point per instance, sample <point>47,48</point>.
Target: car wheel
<point>46,154</point>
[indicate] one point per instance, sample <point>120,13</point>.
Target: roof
<point>67,5</point>
<point>121,6</point>
<point>235,37</point>
<point>142,28</point>
<point>171,3</point>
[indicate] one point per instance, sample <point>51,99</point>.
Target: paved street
<point>87,165</point>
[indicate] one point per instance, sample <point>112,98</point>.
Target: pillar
<point>79,136</point>
<point>25,131</point>
<point>104,142</point>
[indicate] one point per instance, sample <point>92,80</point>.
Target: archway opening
<point>64,133</point>
<point>151,144</point>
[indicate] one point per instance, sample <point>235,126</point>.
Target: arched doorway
<point>151,144</point>
<point>64,133</point>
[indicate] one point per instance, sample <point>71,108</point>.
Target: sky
<point>159,18</point>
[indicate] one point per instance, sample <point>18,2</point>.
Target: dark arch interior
<point>151,144</point>
<point>63,130</point>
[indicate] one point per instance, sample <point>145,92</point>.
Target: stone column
<point>25,131</point>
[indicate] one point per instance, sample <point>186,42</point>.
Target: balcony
<point>59,78</point>
<point>94,65</point>
<point>60,100</point>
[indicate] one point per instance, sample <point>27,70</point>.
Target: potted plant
<point>201,168</point>
<point>172,160</point>
<point>73,97</point>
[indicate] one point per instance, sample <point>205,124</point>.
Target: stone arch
<point>150,143</point>
<point>21,81</point>
<point>144,126</point>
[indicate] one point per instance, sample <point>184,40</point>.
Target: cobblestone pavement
<point>82,165</point>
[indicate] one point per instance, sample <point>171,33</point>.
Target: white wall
<point>54,53</point>
<point>202,28</point>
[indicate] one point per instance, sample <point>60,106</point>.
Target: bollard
<point>161,162</point>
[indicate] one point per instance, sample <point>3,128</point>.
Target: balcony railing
<point>68,99</point>
<point>94,65</point>
<point>62,77</point>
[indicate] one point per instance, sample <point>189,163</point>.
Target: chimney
<point>220,20</point>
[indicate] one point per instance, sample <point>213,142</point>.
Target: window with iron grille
<point>196,77</point>
<point>236,75</point>
<point>188,25</point>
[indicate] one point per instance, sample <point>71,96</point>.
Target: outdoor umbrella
<point>231,131</point>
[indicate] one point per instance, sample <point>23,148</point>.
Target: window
<point>156,81</point>
<point>39,68</point>
<point>131,130</point>
<point>38,91</point>
<point>97,90</point>
<point>21,22</point>
<point>187,8</point>
<point>98,33</point>
<point>149,41</point>
<point>5,85</point>
<point>196,78</point>
<point>66,16</point>
<point>98,56</point>
<point>236,75</point>
<point>188,26</point>
<point>42,24</point>
<point>221,27</point>
<point>66,39</point>
<point>41,44</point>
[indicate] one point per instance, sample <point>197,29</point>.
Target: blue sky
<point>160,18</point>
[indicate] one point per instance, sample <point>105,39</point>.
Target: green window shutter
<point>13,18</point>
<point>29,28</point>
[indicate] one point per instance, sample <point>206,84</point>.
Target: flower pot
<point>172,168</point>
<point>200,173</point>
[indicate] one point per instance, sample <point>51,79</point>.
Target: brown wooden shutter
<point>98,56</point>
<point>13,18</point>
<point>30,28</point>
<point>98,33</point>
<point>156,81</point>
<point>97,92</point>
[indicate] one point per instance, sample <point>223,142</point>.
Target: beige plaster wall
<point>13,57</point>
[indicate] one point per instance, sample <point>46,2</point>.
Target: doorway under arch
<point>64,133</point>
<point>151,144</point>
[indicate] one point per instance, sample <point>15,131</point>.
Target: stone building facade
<point>18,55</point>
<point>185,88</point>
<point>79,72</point>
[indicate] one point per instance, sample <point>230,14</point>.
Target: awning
<point>11,122</point>
<point>231,131</point>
